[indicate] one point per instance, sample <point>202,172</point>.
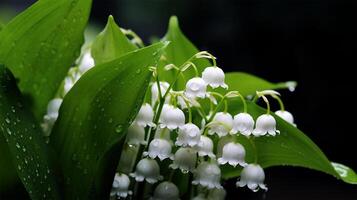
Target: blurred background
<point>310,41</point>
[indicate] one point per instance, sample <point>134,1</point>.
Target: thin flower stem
<point>252,142</point>
<point>245,108</point>
<point>281,104</point>
<point>189,110</point>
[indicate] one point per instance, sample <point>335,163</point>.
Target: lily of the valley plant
<point>122,120</point>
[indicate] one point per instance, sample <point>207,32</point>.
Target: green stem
<point>189,110</point>
<point>244,103</point>
<point>281,104</point>
<point>252,142</point>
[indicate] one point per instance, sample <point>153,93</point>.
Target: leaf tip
<point>173,22</point>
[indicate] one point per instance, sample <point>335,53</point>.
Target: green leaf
<point>27,147</point>
<point>89,133</point>
<point>40,44</point>
<point>248,84</point>
<point>292,147</point>
<point>179,51</point>
<point>111,43</point>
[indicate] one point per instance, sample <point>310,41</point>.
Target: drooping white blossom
<point>252,176</point>
<point>120,187</point>
<point>188,135</point>
<point>86,63</point>
<point>265,124</point>
<point>184,159</point>
<point>233,154</point>
<point>207,175</point>
<point>205,147</point>
<point>171,117</point>
<point>52,114</point>
<point>221,124</point>
<point>135,135</point>
<point>243,123</point>
<point>287,116</point>
<point>159,148</point>
<point>145,116</point>
<point>214,76</point>
<point>195,87</point>
<point>147,169</point>
<point>166,191</point>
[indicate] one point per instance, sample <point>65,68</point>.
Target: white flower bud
<point>265,124</point>
<point>136,135</point>
<point>287,116</point>
<point>127,158</point>
<point>243,123</point>
<point>221,124</point>
<point>52,114</point>
<point>145,116</point>
<point>184,159</point>
<point>253,176</point>
<point>166,191</point>
<point>147,169</point>
<point>214,76</point>
<point>207,175</point>
<point>159,148</point>
<point>86,63</point>
<point>188,135</point>
<point>155,91</point>
<point>205,147</point>
<point>234,154</point>
<point>120,187</point>
<point>195,87</point>
<point>171,117</point>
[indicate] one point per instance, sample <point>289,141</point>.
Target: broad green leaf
<point>111,43</point>
<point>248,84</point>
<point>292,147</point>
<point>179,51</point>
<point>40,44</point>
<point>23,137</point>
<point>93,118</point>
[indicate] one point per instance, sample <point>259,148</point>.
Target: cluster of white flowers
<point>83,64</point>
<point>164,130</point>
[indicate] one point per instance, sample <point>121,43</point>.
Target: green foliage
<point>23,136</point>
<point>40,44</point>
<point>88,134</point>
<point>111,43</point>
<point>179,51</point>
<point>248,84</point>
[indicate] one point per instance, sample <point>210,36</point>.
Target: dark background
<point>310,41</point>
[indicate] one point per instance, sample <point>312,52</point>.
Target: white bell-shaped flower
<point>86,63</point>
<point>147,169</point>
<point>214,76</point>
<point>243,123</point>
<point>164,86</point>
<point>145,116</point>
<point>213,194</point>
<point>120,187</point>
<point>166,191</point>
<point>265,124</point>
<point>221,124</point>
<point>207,175</point>
<point>253,176</point>
<point>184,159</point>
<point>171,117</point>
<point>159,148</point>
<point>136,135</point>
<point>52,114</point>
<point>188,135</point>
<point>287,116</point>
<point>205,147</point>
<point>233,154</point>
<point>195,87</point>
